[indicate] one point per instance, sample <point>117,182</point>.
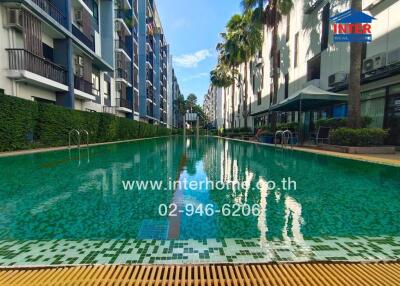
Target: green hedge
<point>362,137</point>
<point>335,123</point>
<point>26,124</point>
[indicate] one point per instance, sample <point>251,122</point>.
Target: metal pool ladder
<point>78,133</point>
<point>286,138</point>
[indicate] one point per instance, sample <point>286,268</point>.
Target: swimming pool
<point>71,207</point>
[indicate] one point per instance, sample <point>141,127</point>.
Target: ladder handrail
<point>69,138</point>
<point>276,135</point>
<point>283,137</point>
<point>87,137</point>
<point>290,137</point>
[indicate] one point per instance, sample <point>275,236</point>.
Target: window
<point>325,27</point>
<point>254,82</point>
<point>314,68</point>
<point>48,52</point>
<point>95,84</point>
<point>96,12</point>
<point>271,93</point>
<point>296,49</point>
<point>107,89</point>
<point>78,66</point>
<point>286,85</point>
<point>287,27</point>
<point>259,98</point>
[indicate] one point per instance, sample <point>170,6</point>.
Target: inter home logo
<point>352,26</point>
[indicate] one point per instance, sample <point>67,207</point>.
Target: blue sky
<point>192,29</point>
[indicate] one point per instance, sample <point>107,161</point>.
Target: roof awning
<point>309,98</point>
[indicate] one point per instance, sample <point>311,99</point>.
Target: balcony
<point>124,105</point>
<point>83,38</point>
<point>22,60</point>
<point>121,47</point>
<point>51,9</point>
<point>121,74</point>
<point>84,88</point>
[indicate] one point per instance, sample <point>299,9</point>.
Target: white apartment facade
<point>308,56</point>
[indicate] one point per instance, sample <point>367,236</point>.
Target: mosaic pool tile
<point>130,251</point>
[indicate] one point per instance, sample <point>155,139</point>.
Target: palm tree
<point>275,10</point>
<point>228,56</point>
<point>354,113</point>
<point>221,77</point>
<point>246,35</point>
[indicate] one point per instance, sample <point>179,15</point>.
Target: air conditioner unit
<point>337,78</point>
<point>118,86</point>
<point>80,72</point>
<point>120,65</point>
<point>78,16</point>
<point>393,57</point>
<point>79,61</point>
<point>15,18</point>
<point>374,63</point>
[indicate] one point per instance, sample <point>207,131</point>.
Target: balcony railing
<point>121,73</point>
<point>83,38</point>
<point>21,59</point>
<point>123,102</point>
<point>51,9</point>
<point>136,101</point>
<point>119,44</point>
<point>83,85</point>
<point>89,3</point>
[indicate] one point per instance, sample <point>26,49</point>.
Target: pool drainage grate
<point>250,274</point>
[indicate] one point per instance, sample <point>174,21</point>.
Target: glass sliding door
<point>392,121</point>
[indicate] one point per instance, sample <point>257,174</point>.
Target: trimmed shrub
<point>362,137</point>
<point>18,118</point>
<point>26,124</point>
<point>335,123</point>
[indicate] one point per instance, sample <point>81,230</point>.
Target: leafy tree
<point>191,101</point>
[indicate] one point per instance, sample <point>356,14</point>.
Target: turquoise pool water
<point>58,195</point>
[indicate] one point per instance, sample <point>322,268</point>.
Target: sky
<point>192,29</point>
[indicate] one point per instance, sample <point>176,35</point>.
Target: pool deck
<point>251,274</point>
<point>384,159</point>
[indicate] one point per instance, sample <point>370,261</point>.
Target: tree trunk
<point>245,111</point>
<point>354,113</point>
<point>275,61</point>
<point>225,113</point>
<point>233,103</point>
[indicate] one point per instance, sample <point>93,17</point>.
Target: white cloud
<point>196,76</point>
<point>192,60</point>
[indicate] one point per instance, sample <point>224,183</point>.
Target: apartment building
<point>153,61</point>
<point>86,55</point>
<point>175,117</point>
<point>214,106</point>
<point>309,56</point>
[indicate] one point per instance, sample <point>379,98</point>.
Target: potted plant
<point>266,136</point>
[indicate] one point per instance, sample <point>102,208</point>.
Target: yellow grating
<point>192,275</point>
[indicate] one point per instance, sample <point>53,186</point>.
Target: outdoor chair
<point>322,135</point>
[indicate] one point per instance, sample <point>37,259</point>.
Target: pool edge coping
<point>356,157</point>
<point>62,148</point>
